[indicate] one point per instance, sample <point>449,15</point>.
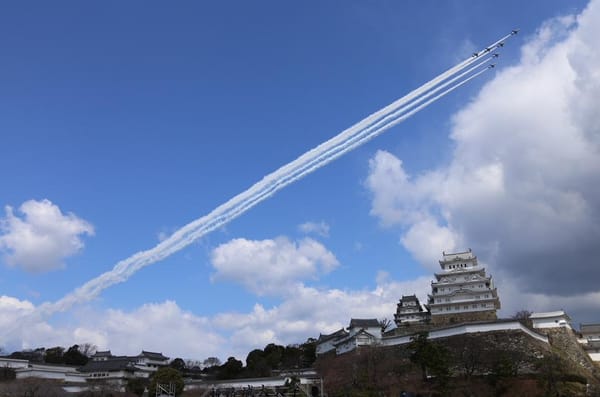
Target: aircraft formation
<point>494,47</point>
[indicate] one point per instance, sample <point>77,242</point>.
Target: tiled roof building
<point>462,291</point>
<point>409,310</point>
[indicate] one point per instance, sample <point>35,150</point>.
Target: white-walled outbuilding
<point>556,319</point>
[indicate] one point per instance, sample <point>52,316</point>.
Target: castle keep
<point>462,292</point>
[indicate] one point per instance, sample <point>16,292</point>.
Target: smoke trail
<point>285,181</point>
<point>390,117</point>
<point>306,163</point>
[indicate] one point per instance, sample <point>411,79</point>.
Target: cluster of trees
<point>74,355</point>
<point>262,362</point>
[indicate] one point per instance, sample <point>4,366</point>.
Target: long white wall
<point>13,363</point>
<point>467,329</point>
<point>65,373</point>
<point>595,356</point>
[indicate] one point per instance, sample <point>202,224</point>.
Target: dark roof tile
<point>363,322</point>
<point>153,355</point>
<point>112,364</point>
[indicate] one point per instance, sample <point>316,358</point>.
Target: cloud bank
<point>166,327</point>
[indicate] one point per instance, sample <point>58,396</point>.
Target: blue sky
<point>138,118</point>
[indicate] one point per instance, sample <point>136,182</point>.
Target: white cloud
<point>163,327</point>
<point>308,311</point>
<point>319,228</point>
<point>426,240</point>
<point>271,266</point>
<point>11,309</point>
<point>20,326</point>
<point>167,328</point>
<point>522,188</point>
<point>43,237</point>
<point>396,198</point>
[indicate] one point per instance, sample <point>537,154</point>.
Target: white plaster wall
<point>13,363</point>
<point>595,356</point>
<point>346,346</point>
<point>552,322</point>
<point>466,329</point>
<point>325,346</point>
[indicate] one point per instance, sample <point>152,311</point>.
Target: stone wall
<point>565,340</point>
<point>466,317</point>
<point>480,364</point>
<point>409,329</point>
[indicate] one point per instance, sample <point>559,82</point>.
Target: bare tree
<point>88,349</point>
<point>385,324</point>
<point>470,356</point>
<point>523,316</point>
<point>211,362</point>
<point>191,363</point>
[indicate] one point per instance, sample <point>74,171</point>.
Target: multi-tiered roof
<point>409,310</point>
<point>462,287</point>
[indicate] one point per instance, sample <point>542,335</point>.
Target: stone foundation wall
<point>457,318</point>
<point>566,340</point>
<point>409,329</point>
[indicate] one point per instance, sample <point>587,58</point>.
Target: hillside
<point>501,363</point>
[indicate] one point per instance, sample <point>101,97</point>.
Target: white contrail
<point>390,117</point>
<point>290,178</point>
<point>315,158</point>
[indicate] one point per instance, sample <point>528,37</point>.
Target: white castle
<point>410,311</point>
<point>462,292</point>
<point>463,300</point>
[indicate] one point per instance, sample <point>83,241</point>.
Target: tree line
<point>74,355</point>
<point>263,362</point>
